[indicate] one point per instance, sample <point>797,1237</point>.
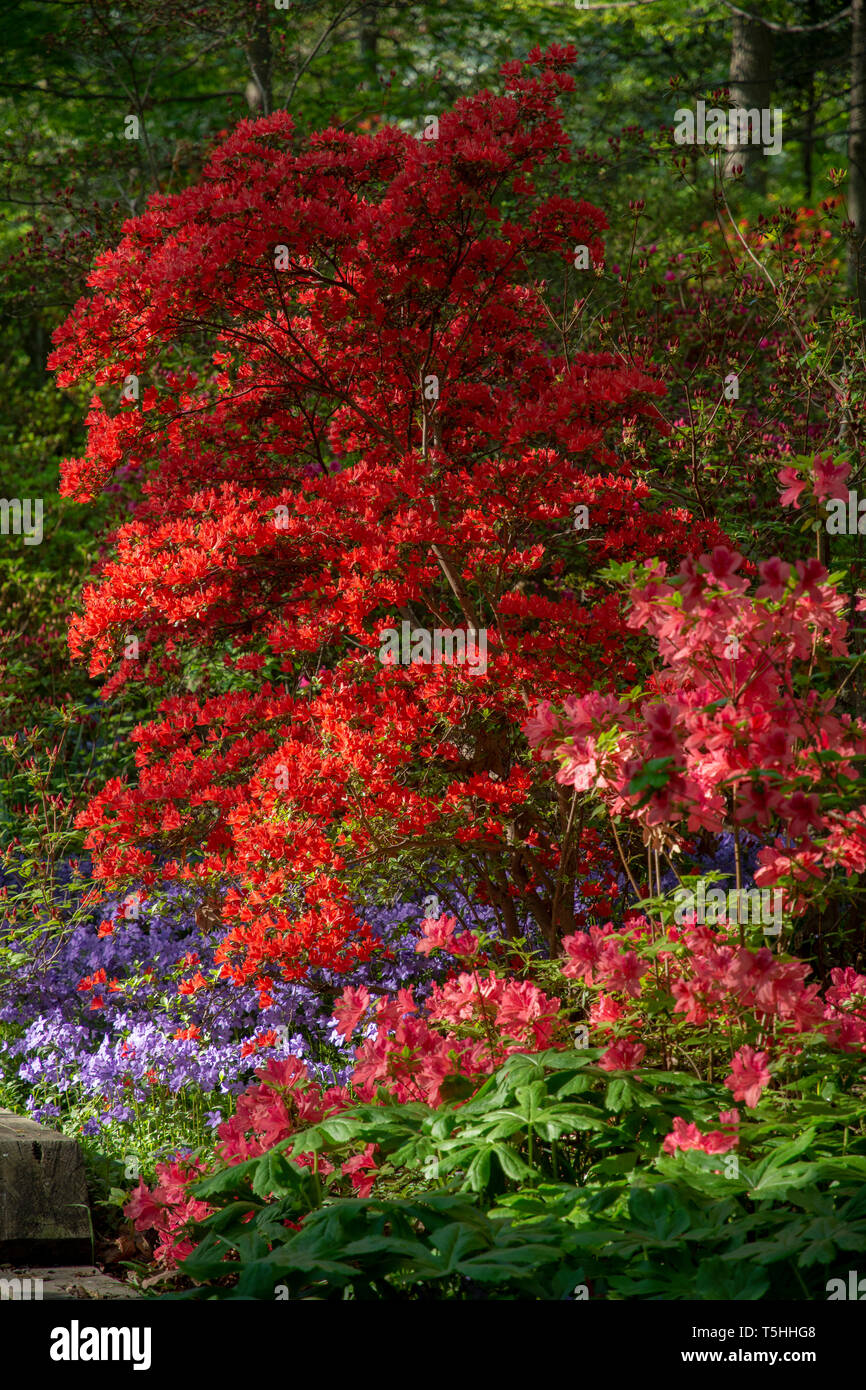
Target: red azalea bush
<point>354,416</point>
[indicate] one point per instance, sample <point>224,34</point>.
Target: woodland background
<point>72,74</point>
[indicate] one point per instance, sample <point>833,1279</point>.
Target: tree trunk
<point>259,91</point>
<point>751,58</point>
<point>808,142</point>
<point>368,40</point>
<point>857,159</point>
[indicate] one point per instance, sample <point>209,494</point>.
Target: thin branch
<point>346,13</point>
<point>788,28</point>
<point>106,96</point>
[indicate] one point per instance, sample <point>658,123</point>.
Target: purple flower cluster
<point>98,1029</point>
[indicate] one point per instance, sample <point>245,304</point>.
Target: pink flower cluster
<point>749,1076</point>
<point>717,980</point>
<point>718,1141</point>
<point>285,1101</point>
<point>477,1021</point>
<point>439,935</point>
<point>712,980</point>
<point>727,714</point>
<point>469,1025</point>
<point>825,478</point>
<point>595,956</point>
<point>167,1209</point>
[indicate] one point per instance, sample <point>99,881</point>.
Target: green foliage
<point>438,1245</point>
<point>554,1178</point>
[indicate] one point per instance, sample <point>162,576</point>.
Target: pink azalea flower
<point>466,944</point>
<point>718,1143</point>
<point>141,1208</point>
<point>774,573</point>
<point>801,811</point>
<point>686,1137</point>
<point>695,581</point>
<point>622,972</point>
<point>661,720</point>
<point>756,802</point>
<point>811,574</point>
<point>829,480</point>
<point>540,726</point>
<point>682,1136</point>
<point>793,485</point>
<point>605,1010</point>
<point>723,562</point>
<point>847,986</point>
<point>622,1056</point>
<point>361,1168</point>
<point>438,934</point>
<point>749,1075</point>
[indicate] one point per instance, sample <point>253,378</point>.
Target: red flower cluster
<point>382,431</point>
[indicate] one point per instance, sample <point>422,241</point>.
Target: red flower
<point>192,985</point>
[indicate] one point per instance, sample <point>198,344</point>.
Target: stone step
<point>65,1284</point>
<point>44,1213</point>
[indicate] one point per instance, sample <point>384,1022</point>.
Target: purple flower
<point>132,1052</point>
<point>45,1112</point>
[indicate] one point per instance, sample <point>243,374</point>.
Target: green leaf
<point>618,1095</point>
<point>660,1210</point>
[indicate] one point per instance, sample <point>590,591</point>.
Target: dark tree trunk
<point>751,59</point>
<point>259,92</point>
<point>857,159</point>
<point>368,40</point>
<point>808,143</point>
